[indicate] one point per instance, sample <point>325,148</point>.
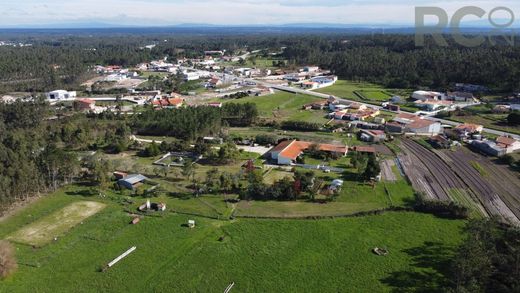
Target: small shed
<point>119,175</point>
<point>191,223</point>
<point>131,181</point>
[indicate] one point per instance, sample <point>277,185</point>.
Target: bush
<point>266,139</point>
<point>442,209</point>
<point>300,126</point>
<point>514,118</point>
<point>7,259</point>
<point>151,150</point>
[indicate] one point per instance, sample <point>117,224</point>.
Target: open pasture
<point>56,224</point>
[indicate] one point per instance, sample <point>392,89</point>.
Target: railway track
<point>498,200</point>
<point>438,169</point>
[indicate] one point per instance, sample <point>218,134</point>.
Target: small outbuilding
<point>132,181</point>
<point>191,223</point>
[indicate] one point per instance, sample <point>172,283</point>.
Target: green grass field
<point>285,106</point>
<point>375,95</point>
<point>346,89</point>
<point>258,255</point>
<point>56,224</point>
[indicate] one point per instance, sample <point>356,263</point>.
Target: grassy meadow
<point>285,106</point>
<point>258,255</point>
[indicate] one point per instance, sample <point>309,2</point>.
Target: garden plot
<point>56,224</point>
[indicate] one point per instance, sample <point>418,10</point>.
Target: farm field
<point>172,258</point>
<point>374,95</point>
<point>285,106</point>
<point>362,91</point>
<point>44,230</point>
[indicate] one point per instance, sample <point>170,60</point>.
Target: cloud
<point>168,12</point>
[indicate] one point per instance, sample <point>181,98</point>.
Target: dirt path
<point>387,171</point>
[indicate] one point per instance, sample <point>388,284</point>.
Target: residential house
<point>358,106</point>
<point>440,142</point>
<point>310,85</point>
<point>213,83</point>
<point>84,104</point>
<point>190,76</point>
<point>169,103</point>
<point>61,95</point>
<point>364,149</point>
<point>318,105</point>
<point>427,95</point>
<point>311,69</point>
<point>508,143</point>
<point>467,129</point>
<point>461,96</point>
<point>432,105</point>
<point>288,151</point>
<point>214,104</point>
<point>372,136</point>
<point>501,109</point>
<point>260,91</point>
<point>8,99</point>
<point>324,81</point>
<point>502,146</point>
<point>394,108</point>
<point>417,125</point>
<point>336,185</point>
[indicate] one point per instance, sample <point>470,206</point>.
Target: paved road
<point>325,96</point>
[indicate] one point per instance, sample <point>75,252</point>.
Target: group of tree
<point>395,60</point>
<point>30,162</point>
<point>224,155</point>
<point>191,123</point>
<point>514,118</point>
<point>366,164</point>
<point>286,189</point>
<point>222,181</point>
<point>488,260</point>
<point>300,126</point>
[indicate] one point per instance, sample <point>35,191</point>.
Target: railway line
<point>498,192</point>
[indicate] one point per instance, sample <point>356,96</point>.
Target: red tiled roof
<point>421,123</point>
<point>176,101</point>
<point>507,141</point>
<point>407,116</point>
<point>280,147</point>
<point>86,101</point>
<point>364,149</point>
<point>292,149</point>
<point>469,127</point>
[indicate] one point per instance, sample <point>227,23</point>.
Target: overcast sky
<point>231,12</point>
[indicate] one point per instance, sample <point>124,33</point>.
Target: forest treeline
<point>194,122</point>
<point>59,61</point>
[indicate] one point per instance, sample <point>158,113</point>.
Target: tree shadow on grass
<point>430,270</point>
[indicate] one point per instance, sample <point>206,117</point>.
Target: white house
<point>418,125</point>
<point>61,95</point>
<point>189,76</point>
<point>427,95</point>
<point>311,69</point>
